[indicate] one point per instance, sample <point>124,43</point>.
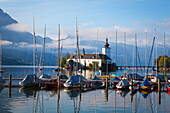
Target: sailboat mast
<point>125,61</point>
<point>164,54</point>
<point>146,49</point>
<point>58,47</point>
<point>156,54</point>
<point>136,52</point>
<point>116,48</point>
<point>34,47</point>
<point>77,48</point>
<point>96,51</point>
<point>43,54</point>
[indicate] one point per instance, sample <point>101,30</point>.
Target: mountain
<point>5,19</point>
<point>13,54</point>
<point>14,36</point>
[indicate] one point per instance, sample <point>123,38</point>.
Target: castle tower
<point>106,50</point>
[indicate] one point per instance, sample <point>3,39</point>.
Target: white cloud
<point>164,24</point>
<point>87,23</point>
<point>19,27</point>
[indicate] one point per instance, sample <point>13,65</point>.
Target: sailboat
<point>43,76</point>
<point>76,80</point>
<point>145,85</point>
<point>2,81</point>
<point>54,82</point>
<point>123,84</point>
<point>31,80</point>
<point>97,82</point>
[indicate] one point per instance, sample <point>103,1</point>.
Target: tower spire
<point>106,45</point>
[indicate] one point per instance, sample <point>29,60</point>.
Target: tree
<point>162,61</point>
<point>67,55</point>
<point>63,62</point>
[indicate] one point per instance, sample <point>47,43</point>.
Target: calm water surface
<point>73,101</point>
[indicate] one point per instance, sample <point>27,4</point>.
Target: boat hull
<point>72,85</point>
<point>168,88</point>
<point>145,87</point>
<point>122,87</point>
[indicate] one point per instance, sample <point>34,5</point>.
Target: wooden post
<point>107,83</point>
<point>10,81</point>
<point>159,85</point>
<point>58,82</point>
<point>9,86</point>
<point>131,91</point>
<point>159,97</point>
<point>80,82</point>
<point>106,95</point>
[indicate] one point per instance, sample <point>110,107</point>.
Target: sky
<point>102,16</point>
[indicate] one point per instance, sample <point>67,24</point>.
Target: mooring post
<point>107,83</point>
<point>58,82</point>
<point>80,82</point>
<point>159,97</point>
<point>159,85</point>
<point>131,91</point>
<point>9,85</point>
<point>10,81</point>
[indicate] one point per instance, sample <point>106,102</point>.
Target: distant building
<point>96,58</point>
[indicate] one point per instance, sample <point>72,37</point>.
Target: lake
<point>75,101</point>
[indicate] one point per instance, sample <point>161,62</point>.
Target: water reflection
<point>122,93</point>
<point>28,100</point>
<point>1,88</point>
<point>145,93</point>
<point>75,95</point>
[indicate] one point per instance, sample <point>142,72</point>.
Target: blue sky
<point>130,16</point>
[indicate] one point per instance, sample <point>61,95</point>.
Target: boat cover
<point>29,79</point>
<point>45,76</point>
<point>115,79</point>
<point>73,80</point>
<point>145,83</point>
<point>123,82</point>
<point>134,75</point>
<point>63,77</point>
<point>96,78</point>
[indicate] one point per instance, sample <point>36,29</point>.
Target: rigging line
<point>151,54</point>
